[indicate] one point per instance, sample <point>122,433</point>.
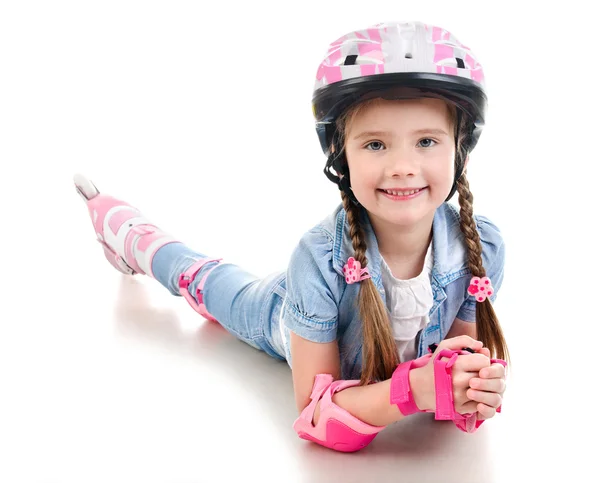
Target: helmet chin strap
<point>459,159</point>
<point>455,184</point>
<point>337,162</point>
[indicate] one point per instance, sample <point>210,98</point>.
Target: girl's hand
<point>466,368</point>
<point>487,388</point>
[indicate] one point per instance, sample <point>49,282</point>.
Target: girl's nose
<point>402,163</point>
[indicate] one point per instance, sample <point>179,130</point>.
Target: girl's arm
<point>370,403</point>
<point>309,359</point>
<point>462,327</point>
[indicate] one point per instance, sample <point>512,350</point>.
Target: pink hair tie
<point>481,288</point>
<point>354,273</point>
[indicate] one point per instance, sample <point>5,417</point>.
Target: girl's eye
<point>430,143</point>
<point>376,145</point>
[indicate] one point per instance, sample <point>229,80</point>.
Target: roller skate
<point>128,239</point>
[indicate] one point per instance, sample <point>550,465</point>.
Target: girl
<point>386,306</point>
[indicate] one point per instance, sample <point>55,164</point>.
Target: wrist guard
<point>401,395</point>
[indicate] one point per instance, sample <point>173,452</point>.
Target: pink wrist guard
<point>401,395</point>
<point>337,429</point>
<point>400,391</point>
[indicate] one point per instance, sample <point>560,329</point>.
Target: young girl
<point>386,306</point>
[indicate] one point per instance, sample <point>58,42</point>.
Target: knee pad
<point>186,278</point>
<point>337,429</point>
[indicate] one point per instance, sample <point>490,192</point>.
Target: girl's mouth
<point>396,195</point>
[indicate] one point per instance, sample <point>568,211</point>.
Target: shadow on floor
<point>416,449</point>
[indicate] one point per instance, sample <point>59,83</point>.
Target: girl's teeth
<point>401,193</point>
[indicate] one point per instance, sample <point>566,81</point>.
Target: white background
<point>199,114</point>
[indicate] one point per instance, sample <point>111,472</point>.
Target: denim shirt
<point>320,306</point>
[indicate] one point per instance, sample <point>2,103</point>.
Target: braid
<point>488,328</point>
<point>467,225</point>
<point>380,355</point>
<point>357,233</point>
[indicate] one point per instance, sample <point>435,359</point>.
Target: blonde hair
<point>380,356</point>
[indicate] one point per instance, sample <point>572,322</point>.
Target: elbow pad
<point>337,429</point>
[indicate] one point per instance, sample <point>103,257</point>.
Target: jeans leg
<point>244,304</point>
<point>240,301</point>
<point>172,260</point>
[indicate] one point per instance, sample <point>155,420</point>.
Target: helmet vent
<point>460,63</point>
<point>350,60</point>
<point>408,55</point>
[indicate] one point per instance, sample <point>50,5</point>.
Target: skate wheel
<point>85,187</point>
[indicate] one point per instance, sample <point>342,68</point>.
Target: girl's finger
<point>486,352</point>
<point>461,380</point>
<point>494,371</point>
<point>472,362</point>
<point>489,385</point>
<point>485,412</point>
<point>467,408</point>
<point>460,342</point>
<point>491,399</point>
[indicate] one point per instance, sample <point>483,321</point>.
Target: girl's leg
<point>238,300</point>
<point>241,302</point>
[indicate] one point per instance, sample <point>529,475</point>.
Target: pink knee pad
<point>337,429</point>
<point>185,279</point>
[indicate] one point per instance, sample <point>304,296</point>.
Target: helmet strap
<point>337,161</point>
<point>459,158</point>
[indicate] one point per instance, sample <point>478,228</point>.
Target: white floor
<point>199,114</point>
<point>110,378</point>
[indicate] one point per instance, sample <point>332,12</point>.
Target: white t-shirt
<point>409,302</point>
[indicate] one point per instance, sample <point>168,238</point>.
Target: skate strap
<point>186,278</point>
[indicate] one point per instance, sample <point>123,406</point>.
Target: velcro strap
<point>185,279</point>
<point>442,370</point>
<point>400,391</point>
<point>321,384</point>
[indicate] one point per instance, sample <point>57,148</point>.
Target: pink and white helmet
<point>398,60</point>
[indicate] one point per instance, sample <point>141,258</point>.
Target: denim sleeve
<point>493,253</point>
<point>313,289</point>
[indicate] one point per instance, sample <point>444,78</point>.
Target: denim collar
<point>449,251</point>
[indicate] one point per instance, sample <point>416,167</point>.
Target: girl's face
<point>400,146</point>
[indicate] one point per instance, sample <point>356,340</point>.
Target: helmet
<point>396,60</point>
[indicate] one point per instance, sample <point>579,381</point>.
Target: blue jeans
<point>245,305</point>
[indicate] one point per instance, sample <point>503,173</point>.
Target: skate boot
<point>128,239</point>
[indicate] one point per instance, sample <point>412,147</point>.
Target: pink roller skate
<point>129,240</point>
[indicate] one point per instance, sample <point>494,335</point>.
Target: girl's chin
<point>399,218</point>
<point>402,217</point>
